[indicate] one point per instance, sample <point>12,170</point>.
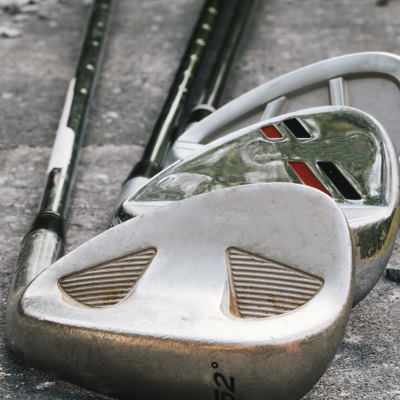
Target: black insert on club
<point>339,180</point>
<point>296,128</point>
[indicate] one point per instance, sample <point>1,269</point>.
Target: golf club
<point>71,280</point>
<point>368,81</point>
<point>173,120</point>
<point>44,243</point>
<point>305,287</point>
<point>173,305</point>
<point>341,151</point>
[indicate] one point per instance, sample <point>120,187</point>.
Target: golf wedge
<point>341,151</point>
<point>203,298</point>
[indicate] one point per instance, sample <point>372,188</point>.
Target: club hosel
<point>143,171</point>
<point>41,246</point>
<point>39,249</point>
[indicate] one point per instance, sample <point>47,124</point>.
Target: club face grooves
<point>339,180</point>
<point>262,288</point>
<point>109,283</point>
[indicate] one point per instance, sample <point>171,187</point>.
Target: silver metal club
<point>368,81</point>
<point>204,298</point>
<point>185,89</point>
<point>44,243</point>
<point>341,151</point>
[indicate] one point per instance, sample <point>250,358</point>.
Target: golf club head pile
<point>236,277</point>
<point>344,152</point>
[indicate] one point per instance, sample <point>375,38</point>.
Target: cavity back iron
<point>340,151</point>
<point>369,81</point>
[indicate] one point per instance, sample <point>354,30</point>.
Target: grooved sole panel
<point>263,288</point>
<point>108,283</point>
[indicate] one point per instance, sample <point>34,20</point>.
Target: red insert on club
<point>307,176</point>
<point>271,132</point>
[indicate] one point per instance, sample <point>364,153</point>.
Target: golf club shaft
<point>44,243</point>
<point>210,97</point>
<point>164,130</point>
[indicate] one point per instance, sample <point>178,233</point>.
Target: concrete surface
<point>146,41</point>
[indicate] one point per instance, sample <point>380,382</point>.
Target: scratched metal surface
<point>146,42</point>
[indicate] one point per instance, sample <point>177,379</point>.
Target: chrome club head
<point>231,294</point>
<point>368,81</point>
<point>341,151</point>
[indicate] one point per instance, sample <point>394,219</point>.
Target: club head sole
<point>230,294</point>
